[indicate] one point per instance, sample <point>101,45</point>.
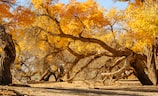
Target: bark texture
<point>145,65</point>
<point>7,56</point>
<point>139,67</point>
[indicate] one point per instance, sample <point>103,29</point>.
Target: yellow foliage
<point>84,47</point>
<point>112,12</point>
<point>41,46</point>
<point>56,9</point>
<point>143,22</point>
<point>137,47</point>
<point>37,3</point>
<point>5,11</point>
<point>89,12</point>
<point>23,16</point>
<point>73,17</point>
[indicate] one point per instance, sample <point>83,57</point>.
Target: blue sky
<point>107,4</point>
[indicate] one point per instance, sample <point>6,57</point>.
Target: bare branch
<point>117,62</point>
<point>78,58</point>
<point>95,57</point>
<point>121,70</point>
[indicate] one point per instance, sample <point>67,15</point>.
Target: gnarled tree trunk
<point>139,70</point>
<point>145,65</point>
<point>7,56</point>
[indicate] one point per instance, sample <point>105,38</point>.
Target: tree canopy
<point>79,34</point>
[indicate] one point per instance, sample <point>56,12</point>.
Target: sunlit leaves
<point>89,12</point>
<point>55,10</point>
<point>143,23</point>
<point>75,18</point>
<point>84,47</point>
<point>5,11</point>
<point>15,18</point>
<point>114,16</point>
<point>88,18</point>
<point>37,3</point>
<point>23,16</point>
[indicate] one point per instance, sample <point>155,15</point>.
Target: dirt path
<point>51,89</point>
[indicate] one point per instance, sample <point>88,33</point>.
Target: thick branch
<point>74,53</point>
<point>115,52</point>
<point>121,70</point>
<point>77,59</point>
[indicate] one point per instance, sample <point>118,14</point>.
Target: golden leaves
<point>15,19</point>
<point>56,9</point>
<point>5,11</point>
<point>37,3</point>
<point>84,47</point>
<point>59,42</point>
<point>23,16</point>
<point>74,18</point>
<point>90,14</point>
<point>142,21</point>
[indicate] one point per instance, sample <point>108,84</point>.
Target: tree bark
<point>7,56</point>
<point>145,66</point>
<point>139,70</point>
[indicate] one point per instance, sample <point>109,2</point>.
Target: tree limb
<point>121,70</point>
<point>117,53</point>
<point>85,66</point>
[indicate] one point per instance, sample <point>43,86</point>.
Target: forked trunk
<point>7,56</point>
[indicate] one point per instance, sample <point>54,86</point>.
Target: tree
<point>84,30</point>
<point>142,30</point>
<point>9,21</point>
<point>7,56</point>
<point>86,20</point>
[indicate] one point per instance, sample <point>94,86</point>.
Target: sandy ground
<point>81,88</point>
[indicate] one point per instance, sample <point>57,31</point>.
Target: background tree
<point>9,21</point>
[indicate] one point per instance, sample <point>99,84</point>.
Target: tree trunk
<point>7,56</point>
<point>139,70</point>
<point>145,66</point>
